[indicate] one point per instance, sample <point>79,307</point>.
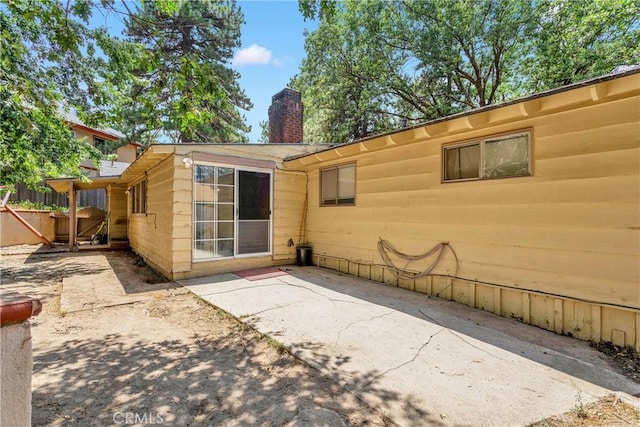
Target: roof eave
<point>469,120</point>
<point>61,185</point>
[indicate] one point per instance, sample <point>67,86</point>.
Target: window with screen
<point>338,185</point>
<point>493,157</point>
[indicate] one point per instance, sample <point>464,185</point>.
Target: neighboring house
<point>103,139</point>
<point>539,197</point>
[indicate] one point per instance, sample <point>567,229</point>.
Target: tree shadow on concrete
<point>335,366</point>
<point>49,268</point>
<point>211,381</point>
<point>38,272</point>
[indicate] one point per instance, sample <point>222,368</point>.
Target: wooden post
<point>637,331</point>
<point>72,217</point>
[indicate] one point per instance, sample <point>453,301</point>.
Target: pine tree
<point>182,84</point>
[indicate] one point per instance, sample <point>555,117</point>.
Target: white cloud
<point>252,55</point>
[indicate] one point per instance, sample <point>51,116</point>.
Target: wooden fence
<point>86,198</point>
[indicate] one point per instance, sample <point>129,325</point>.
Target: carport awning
<point>61,185</point>
<point>151,157</point>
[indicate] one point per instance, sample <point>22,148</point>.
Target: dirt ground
<point>608,411</point>
<point>167,358</point>
<point>159,355</point>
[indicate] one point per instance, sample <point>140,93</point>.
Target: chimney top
<point>285,117</point>
<point>287,93</point>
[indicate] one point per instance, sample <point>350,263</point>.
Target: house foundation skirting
<point>563,315</point>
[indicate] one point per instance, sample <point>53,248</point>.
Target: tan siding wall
<point>164,235</point>
<point>127,153</point>
<point>182,218</point>
<point>288,205</point>
<point>81,133</point>
<point>150,234</point>
<point>571,230</point>
<point>88,136</point>
<point>117,212</point>
<point>225,266</point>
<point>289,202</point>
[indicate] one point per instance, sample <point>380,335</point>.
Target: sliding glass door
<point>232,212</point>
<point>254,212</point>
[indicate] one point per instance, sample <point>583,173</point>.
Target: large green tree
<point>169,75</point>
<point>181,85</point>
<point>467,51</point>
<point>377,62</point>
<point>575,39</point>
<point>46,63</point>
<point>340,77</point>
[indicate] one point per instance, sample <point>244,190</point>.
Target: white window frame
<point>337,169</point>
<point>236,169</point>
<point>481,143</point>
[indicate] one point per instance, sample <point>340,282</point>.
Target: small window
<point>493,157</point>
<point>139,197</point>
<point>103,145</point>
<point>338,185</point>
<point>462,162</point>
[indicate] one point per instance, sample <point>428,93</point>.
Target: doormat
<point>261,273</point>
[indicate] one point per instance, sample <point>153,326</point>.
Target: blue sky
<point>271,53</point>
<point>272,48</point>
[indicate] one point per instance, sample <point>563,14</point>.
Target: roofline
<point>137,144</point>
<point>224,144</point>
<point>573,86</point>
<point>231,144</point>
<point>95,182</point>
<point>93,130</point>
<point>161,151</point>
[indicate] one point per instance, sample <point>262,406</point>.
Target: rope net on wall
<point>385,249</point>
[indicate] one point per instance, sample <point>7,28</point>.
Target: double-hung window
<point>493,157</point>
<point>338,185</point>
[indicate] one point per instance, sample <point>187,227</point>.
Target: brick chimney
<point>285,117</point>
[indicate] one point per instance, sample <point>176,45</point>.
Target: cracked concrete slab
<point>420,360</point>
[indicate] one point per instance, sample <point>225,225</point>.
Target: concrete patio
<point>420,360</point>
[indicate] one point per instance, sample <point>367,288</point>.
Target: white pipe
<point>5,199</point>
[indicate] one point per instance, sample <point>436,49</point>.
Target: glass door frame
<point>237,212</point>
<point>236,216</point>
